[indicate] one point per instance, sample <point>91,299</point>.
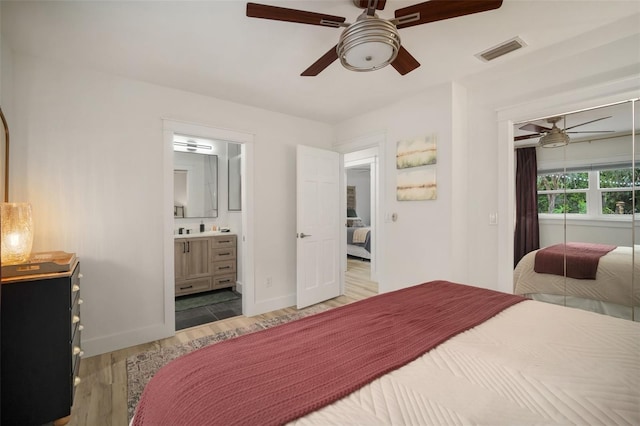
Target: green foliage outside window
<point>570,202</point>
<point>555,181</point>
<point>620,178</point>
<point>619,202</point>
<point>576,202</point>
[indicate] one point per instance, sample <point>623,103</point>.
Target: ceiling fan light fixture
<point>554,139</point>
<point>368,44</point>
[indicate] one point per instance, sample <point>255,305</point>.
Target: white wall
<point>93,147</point>
<point>418,247</point>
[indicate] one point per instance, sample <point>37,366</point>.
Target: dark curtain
<point>527,234</point>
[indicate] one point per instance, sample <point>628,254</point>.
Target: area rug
<point>197,300</point>
<point>141,367</point>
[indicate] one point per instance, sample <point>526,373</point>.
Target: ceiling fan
<point>372,42</point>
<point>551,137</point>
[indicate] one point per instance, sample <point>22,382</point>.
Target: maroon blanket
<point>582,259</point>
<point>277,375</point>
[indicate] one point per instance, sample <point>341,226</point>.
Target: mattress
<point>534,363</point>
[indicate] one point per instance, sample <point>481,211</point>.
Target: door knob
<point>303,235</point>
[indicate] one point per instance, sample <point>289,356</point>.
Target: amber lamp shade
<point>17,233</point>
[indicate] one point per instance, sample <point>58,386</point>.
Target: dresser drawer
<point>75,315</point>
<point>76,351</point>
<point>75,286</point>
<point>221,254</point>
<point>75,377</point>
<point>223,241</point>
<point>224,281</point>
<point>193,286</point>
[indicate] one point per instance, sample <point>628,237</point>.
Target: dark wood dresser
<point>40,346</point>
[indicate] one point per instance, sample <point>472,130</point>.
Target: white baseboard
<point>113,342</point>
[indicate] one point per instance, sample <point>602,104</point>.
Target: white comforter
<point>534,363</point>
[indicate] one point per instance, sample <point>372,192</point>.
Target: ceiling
<point>210,47</point>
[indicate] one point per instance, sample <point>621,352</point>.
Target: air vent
<point>501,49</point>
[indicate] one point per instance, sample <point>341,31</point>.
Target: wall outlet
<point>268,282</point>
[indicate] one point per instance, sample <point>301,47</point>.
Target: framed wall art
<point>416,161</point>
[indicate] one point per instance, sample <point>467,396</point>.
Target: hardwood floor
<point>101,396</point>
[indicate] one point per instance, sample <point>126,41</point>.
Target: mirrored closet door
<point>586,191</point>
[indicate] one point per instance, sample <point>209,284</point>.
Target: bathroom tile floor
<point>208,313</point>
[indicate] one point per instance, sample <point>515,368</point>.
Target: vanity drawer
<point>224,281</point>
<point>193,286</point>
<point>221,254</point>
<point>223,241</point>
<point>225,267</point>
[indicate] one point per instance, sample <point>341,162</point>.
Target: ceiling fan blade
<point>437,10</point>
<point>587,122</point>
<point>531,127</point>
<point>363,4</point>
<point>255,10</point>
<point>523,137</point>
<point>318,66</point>
<point>594,131</point>
<point>404,62</point>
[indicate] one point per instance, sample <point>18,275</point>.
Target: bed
<point>358,238</point>
<point>608,290</point>
<point>435,353</point>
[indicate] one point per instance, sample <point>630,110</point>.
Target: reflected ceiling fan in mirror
<point>371,42</point>
<point>552,137</point>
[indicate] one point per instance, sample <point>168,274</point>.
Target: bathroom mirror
<point>195,185</point>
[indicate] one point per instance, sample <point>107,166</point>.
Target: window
<point>563,192</point>
<point>616,190</point>
<point>604,192</point>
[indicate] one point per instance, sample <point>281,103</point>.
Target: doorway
<point>233,212</point>
<point>361,179</point>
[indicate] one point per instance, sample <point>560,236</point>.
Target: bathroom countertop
<point>200,234</point>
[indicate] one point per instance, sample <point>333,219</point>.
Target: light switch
<point>493,218</point>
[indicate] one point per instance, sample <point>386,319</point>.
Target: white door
<point>318,229</point>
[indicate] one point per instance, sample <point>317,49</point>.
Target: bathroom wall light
<point>191,146</point>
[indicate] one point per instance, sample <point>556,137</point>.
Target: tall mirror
<point>583,186</point>
<point>234,151</point>
<point>195,179</point>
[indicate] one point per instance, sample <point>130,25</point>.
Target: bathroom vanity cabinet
<point>205,263</point>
